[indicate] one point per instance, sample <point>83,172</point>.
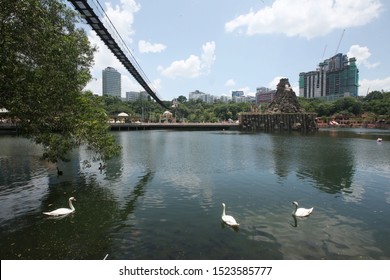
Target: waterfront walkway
<point>11,127</point>
<point>174,126</point>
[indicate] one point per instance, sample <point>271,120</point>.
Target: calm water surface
<point>161,198</point>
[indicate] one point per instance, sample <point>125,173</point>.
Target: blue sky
<point>217,46</point>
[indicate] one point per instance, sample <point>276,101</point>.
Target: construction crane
<point>342,35</point>
<point>323,53</point>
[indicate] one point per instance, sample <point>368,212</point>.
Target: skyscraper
<point>111,82</point>
<point>335,77</point>
<point>238,96</point>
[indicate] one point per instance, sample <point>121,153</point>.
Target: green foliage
<point>374,95</point>
<point>188,111</point>
<point>348,105</point>
<point>199,111</point>
<point>44,65</point>
<point>375,102</point>
<point>182,99</point>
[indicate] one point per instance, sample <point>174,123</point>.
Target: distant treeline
<point>376,105</point>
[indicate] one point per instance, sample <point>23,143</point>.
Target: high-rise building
<point>136,95</point>
<point>264,95</point>
<point>335,77</point>
<point>237,93</point>
<point>111,82</point>
<point>238,96</point>
<point>205,97</point>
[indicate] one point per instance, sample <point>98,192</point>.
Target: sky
<point>219,46</point>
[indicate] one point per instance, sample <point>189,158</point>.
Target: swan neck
<point>71,205</point>
<point>223,211</point>
<point>296,208</point>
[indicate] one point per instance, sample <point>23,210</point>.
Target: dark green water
<point>161,199</point>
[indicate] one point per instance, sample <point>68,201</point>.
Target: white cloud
<point>156,84</point>
<point>128,83</point>
<point>193,66</point>
<point>208,55</point>
<point>309,19</point>
<point>147,47</point>
<point>122,17</point>
<point>275,81</point>
<point>230,83</point>
<point>95,86</point>
<point>366,86</point>
<point>189,68</point>
<point>362,54</point>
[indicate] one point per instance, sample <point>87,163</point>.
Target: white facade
<point>111,82</point>
<point>208,98</point>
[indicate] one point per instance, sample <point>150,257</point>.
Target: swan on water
<point>301,212</point>
<point>227,219</point>
<point>62,211</point>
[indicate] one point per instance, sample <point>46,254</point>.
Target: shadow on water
<point>79,235</point>
<point>330,164</point>
<point>132,198</point>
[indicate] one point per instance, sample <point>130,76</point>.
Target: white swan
<point>301,212</point>
<point>227,219</point>
<point>62,211</point>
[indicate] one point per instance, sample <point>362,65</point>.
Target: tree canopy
<point>44,66</point>
<point>185,111</point>
<point>375,102</point>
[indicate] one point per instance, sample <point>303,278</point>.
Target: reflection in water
<point>330,163</point>
<point>283,154</point>
<point>225,226</point>
<point>132,198</point>
<point>57,218</point>
<point>160,199</point>
<point>295,221</point>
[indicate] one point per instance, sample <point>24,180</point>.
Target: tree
<point>373,95</point>
<point>182,99</point>
<point>348,104</point>
<point>44,65</point>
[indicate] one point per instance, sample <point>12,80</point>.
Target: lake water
<point>161,198</point>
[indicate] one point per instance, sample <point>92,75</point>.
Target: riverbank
<point>174,126</point>
<point>10,128</point>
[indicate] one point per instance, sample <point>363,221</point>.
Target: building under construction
<point>334,78</point>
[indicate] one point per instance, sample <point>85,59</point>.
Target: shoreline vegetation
<point>372,111</point>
